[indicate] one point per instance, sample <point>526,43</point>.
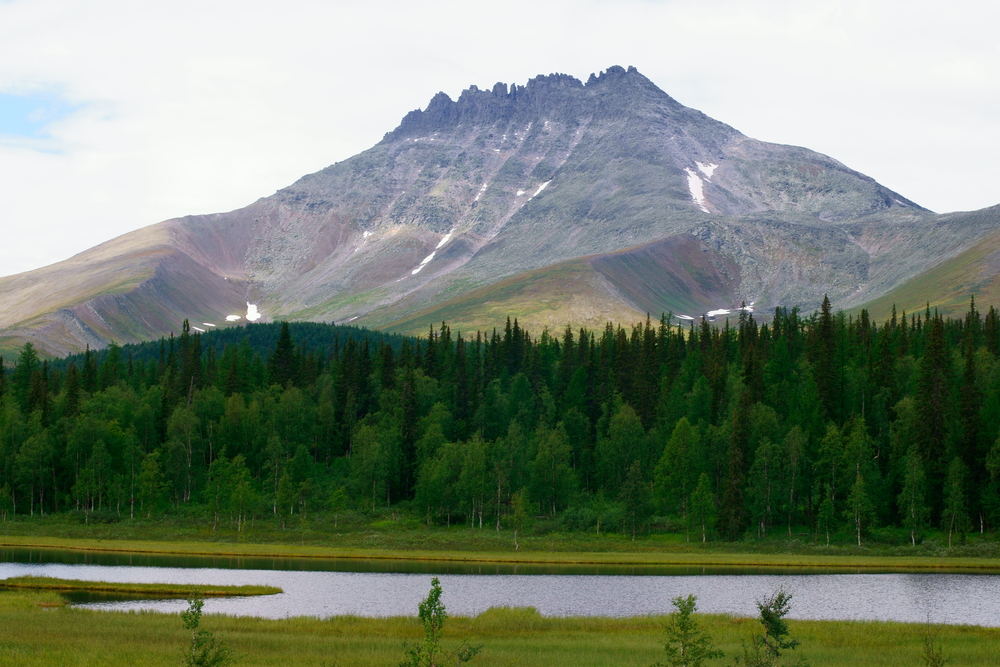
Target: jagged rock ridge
<point>506,182</point>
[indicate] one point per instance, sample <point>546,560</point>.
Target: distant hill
<point>259,339</point>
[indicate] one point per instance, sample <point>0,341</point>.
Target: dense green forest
<point>804,424</point>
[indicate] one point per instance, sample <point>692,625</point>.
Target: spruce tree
<point>21,378</point>
<point>634,497</point>
<point>282,365</point>
<point>823,356</point>
<point>933,397</point>
<point>733,511</point>
<point>71,391</point>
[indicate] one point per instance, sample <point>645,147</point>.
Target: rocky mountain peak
<point>553,96</point>
<point>558,201</point>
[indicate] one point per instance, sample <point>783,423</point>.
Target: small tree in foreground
<point>205,651</point>
<point>428,654</point>
<point>933,655</point>
<point>687,646</point>
<point>765,650</point>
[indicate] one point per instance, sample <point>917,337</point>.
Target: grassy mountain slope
<point>551,297</point>
<point>675,275</point>
<point>949,285</point>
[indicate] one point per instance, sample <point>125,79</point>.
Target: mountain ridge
<point>499,183</point>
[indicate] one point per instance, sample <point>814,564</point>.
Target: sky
<point>116,114</point>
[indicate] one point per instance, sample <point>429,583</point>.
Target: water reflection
<point>945,598</point>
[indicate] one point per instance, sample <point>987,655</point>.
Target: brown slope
<point>133,288</point>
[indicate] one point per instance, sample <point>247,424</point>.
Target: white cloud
<point>196,107</point>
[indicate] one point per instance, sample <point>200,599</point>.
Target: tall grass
<point>35,630</point>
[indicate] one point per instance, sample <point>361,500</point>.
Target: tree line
<point>814,424</point>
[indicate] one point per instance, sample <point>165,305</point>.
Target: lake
<point>323,588</point>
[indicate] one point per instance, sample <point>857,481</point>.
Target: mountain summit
<point>558,202</point>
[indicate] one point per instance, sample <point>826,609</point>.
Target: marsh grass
<point>468,546</point>
<point>157,590</point>
<point>32,633</point>
<point>397,529</point>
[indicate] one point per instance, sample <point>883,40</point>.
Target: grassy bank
<point>157,590</point>
<point>354,537</point>
<point>36,631</point>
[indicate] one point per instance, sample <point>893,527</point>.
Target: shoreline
<point>553,558</point>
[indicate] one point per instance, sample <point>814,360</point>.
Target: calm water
<point>945,598</point>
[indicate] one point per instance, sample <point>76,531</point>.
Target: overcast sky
<point>116,114</point>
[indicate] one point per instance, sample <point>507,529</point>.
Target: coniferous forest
<point>803,425</point>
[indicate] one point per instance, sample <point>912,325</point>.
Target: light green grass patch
<point>158,590</point>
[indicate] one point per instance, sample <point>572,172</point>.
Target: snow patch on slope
<point>428,258</point>
<point>697,189</point>
<point>727,311</point>
<point>445,238</point>
<point>707,169</point>
<point>252,313</point>
<point>424,263</point>
<point>540,188</point>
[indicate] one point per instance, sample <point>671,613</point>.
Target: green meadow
<point>354,535</point>
<point>39,629</point>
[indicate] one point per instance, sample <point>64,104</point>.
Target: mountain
<point>558,202</point>
<point>948,286</point>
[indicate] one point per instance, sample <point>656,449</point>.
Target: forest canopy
<point>801,423</point>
